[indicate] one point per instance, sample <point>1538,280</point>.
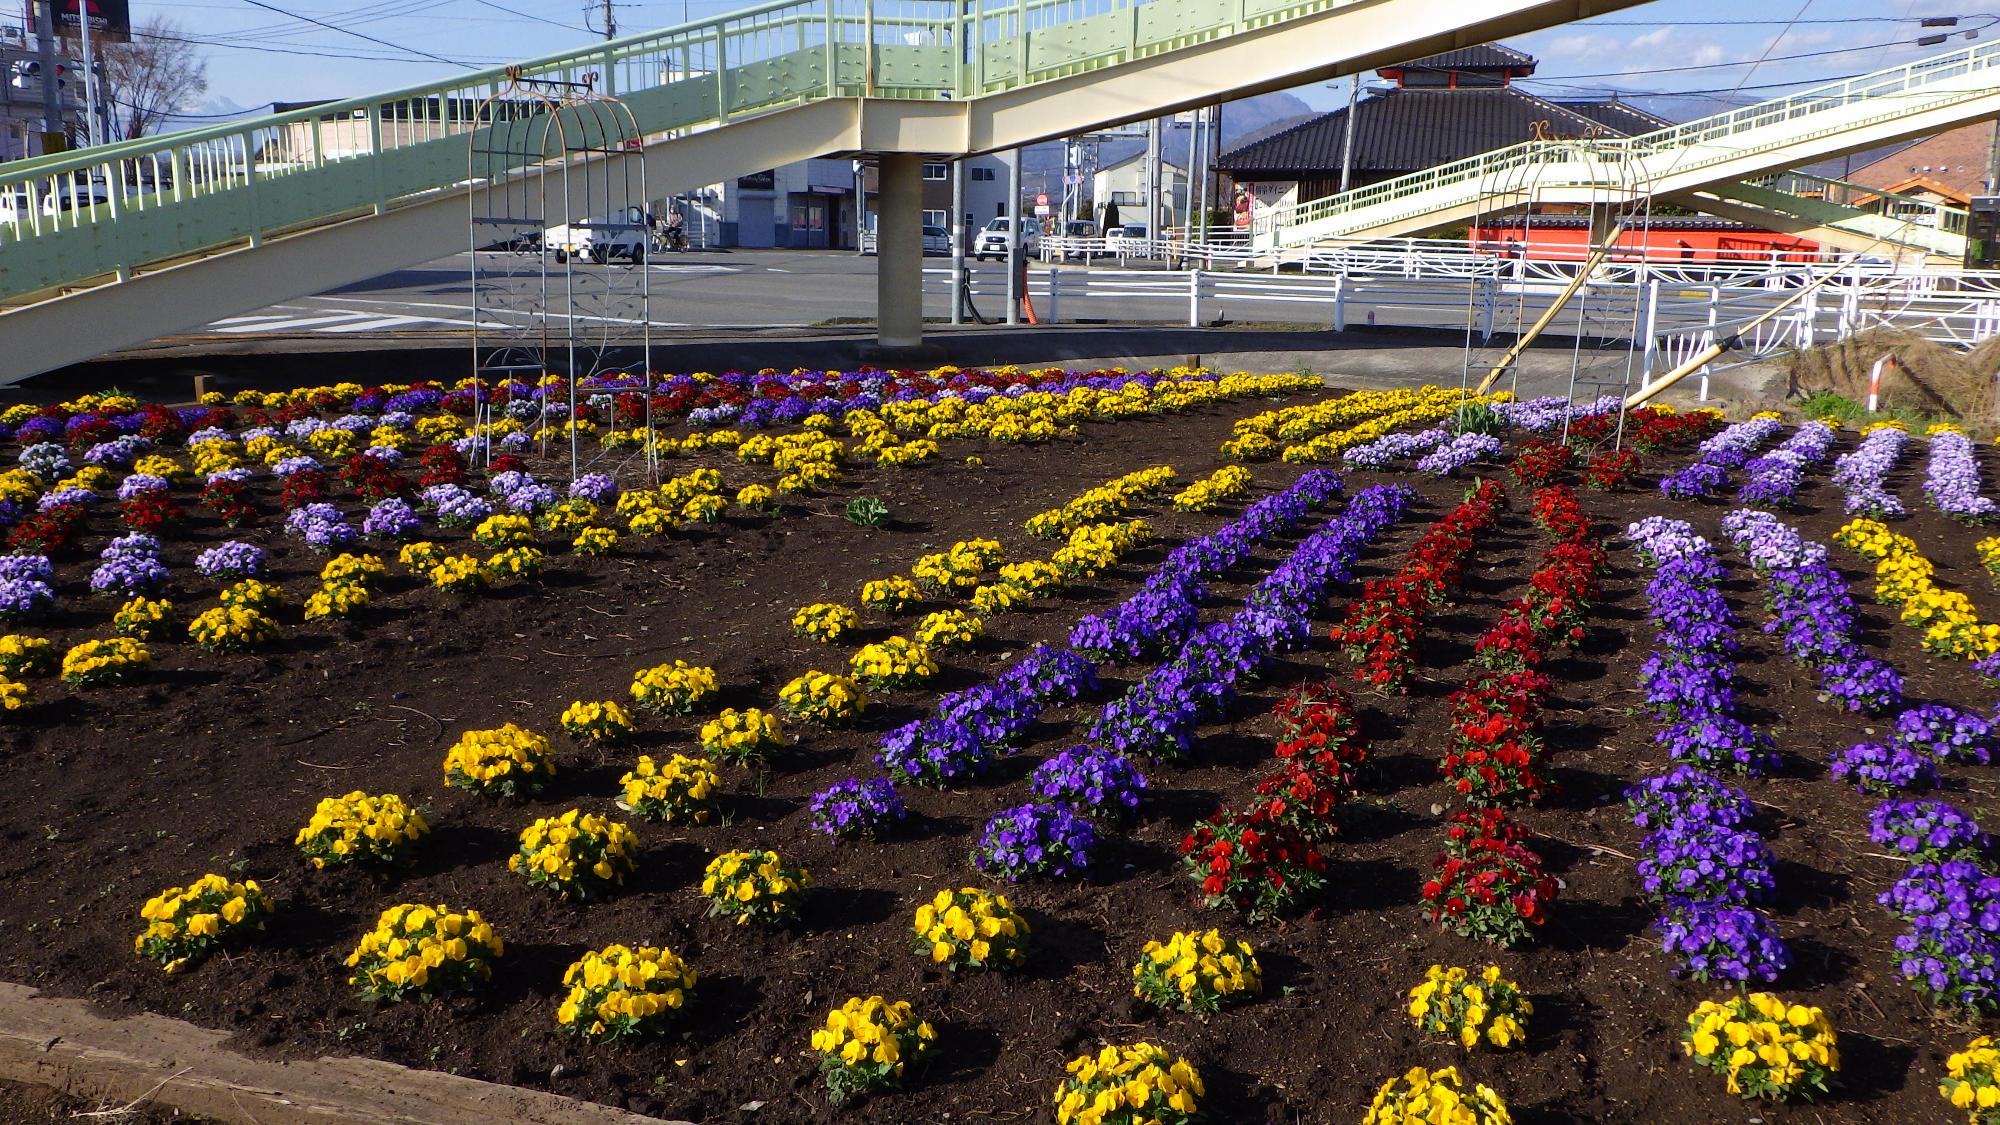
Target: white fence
<point>1665,314</point>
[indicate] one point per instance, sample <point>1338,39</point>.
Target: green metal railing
<point>1822,111</point>
<point>107,211</point>
<point>1917,210</point>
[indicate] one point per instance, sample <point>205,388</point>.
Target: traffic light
<point>27,74</point>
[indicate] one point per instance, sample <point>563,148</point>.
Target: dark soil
<point>212,763</point>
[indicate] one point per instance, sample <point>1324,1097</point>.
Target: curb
<point>69,1045</point>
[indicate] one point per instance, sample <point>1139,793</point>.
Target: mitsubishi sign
<point>109,19</point>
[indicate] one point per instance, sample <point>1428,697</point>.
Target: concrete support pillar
<point>1603,226</point>
<point>899,251</point>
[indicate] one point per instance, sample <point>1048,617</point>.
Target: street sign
<point>1042,200</point>
<point>109,19</point>
<point>1042,210</point>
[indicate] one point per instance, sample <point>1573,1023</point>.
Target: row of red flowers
<point>1264,858</point>
<point>1488,883</point>
<point>1383,623</point>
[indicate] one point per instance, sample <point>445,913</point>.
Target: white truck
<point>600,239</point>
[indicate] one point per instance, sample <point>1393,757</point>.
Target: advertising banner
<point>110,20</point>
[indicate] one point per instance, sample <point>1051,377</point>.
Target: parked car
<point>600,239</point>
<point>936,240</point>
<point>1080,230</point>
<point>1127,239</point>
<point>992,242</point>
<point>16,208</point>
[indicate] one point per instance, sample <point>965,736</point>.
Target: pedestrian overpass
<point>1718,164</point>
<point>159,235</point>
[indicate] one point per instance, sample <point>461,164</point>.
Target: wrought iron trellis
<point>557,168</point>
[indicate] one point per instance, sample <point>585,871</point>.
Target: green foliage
<point>867,511</point>
<point>1475,418</point>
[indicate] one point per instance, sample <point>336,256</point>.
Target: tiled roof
<point>1486,56</point>
<point>1622,118</point>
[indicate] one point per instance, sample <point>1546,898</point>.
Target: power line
<point>359,35</point>
<point>299,50</point>
<point>1829,53</point>
<point>532,16</point>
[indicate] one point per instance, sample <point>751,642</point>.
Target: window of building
<point>937,171</point>
<point>983,175</point>
<point>937,218</point>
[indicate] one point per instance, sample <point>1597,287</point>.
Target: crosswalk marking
<point>377,323</point>
<point>293,322</point>
<point>247,319</point>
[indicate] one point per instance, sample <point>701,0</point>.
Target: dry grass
<point>1932,378</point>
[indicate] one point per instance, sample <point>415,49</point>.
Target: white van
<point>603,238</point>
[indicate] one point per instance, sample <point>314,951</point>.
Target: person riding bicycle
<point>676,234</point>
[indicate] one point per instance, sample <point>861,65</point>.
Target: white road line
<point>247,319</point>
<point>288,325</point>
<point>378,323</point>
<point>499,311</point>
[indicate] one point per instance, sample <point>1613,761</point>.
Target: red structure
<point>1566,238</point>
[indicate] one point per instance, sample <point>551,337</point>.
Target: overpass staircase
<point>1740,160</point>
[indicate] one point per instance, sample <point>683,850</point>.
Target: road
<point>705,290</point>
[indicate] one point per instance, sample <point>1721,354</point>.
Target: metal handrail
<point>1950,218</point>
<point>692,75</point>
<point>1678,140</point>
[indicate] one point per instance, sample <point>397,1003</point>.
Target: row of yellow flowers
<point>1320,431</point>
<point>1904,579</point>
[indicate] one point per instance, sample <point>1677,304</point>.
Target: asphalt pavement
<point>716,310</point>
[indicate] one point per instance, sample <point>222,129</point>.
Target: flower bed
<point>124,775</point>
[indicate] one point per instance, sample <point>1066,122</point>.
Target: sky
<point>257,55</point>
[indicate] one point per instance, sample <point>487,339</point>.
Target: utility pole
<point>957,228</point>
<point>54,139</point>
<point>89,75</point>
<point>1993,163</point>
<point>611,21</point>
<point>1204,140</point>
<point>1013,236</point>
<point>1153,230</point>
<point>1347,146</point>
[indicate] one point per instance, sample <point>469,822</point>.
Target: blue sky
<point>1627,50</point>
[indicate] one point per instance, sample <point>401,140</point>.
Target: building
<point>21,100</point>
<point>1441,108</point>
<point>1949,168</point>
<point>1663,238</point>
<point>1124,183</point>
<point>811,204</point>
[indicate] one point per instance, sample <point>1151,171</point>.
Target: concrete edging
<point>68,1044</point>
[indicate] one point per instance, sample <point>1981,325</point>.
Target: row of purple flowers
<point>1947,897</point>
<point>1704,863</point>
<point>1086,787</point>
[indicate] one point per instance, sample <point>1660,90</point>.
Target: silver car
<point>992,241</point>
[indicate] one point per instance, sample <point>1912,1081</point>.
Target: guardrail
<point>1663,317</point>
<point>110,209</point>
<point>1448,258</point>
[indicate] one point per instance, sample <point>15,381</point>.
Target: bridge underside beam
<point>1846,241</point>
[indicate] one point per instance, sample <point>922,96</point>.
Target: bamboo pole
<point>1575,285</point>
<point>1709,354</point>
